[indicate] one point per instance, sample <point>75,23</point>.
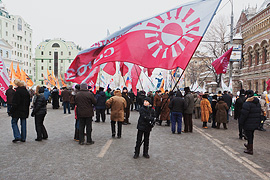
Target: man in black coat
<point>147,116</point>
<point>237,110</point>
<point>101,105</point>
<point>228,101</point>
<point>250,119</point>
<point>127,109</point>
<point>20,110</point>
<point>10,94</point>
<point>131,95</point>
<point>177,106</point>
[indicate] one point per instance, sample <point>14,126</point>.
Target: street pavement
<point>205,154</point>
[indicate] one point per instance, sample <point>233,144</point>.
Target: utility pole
<point>231,41</point>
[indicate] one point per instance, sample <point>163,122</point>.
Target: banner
<point>166,41</point>
<point>4,80</point>
<point>50,78</point>
<point>222,62</point>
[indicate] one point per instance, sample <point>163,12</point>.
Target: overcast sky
<point>86,21</point>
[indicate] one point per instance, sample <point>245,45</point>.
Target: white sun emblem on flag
<point>172,34</point>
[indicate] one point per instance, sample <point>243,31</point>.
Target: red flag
<point>4,80</point>
<point>268,85</point>
<point>165,41</point>
<point>110,68</point>
<point>123,69</point>
<point>222,62</point>
<point>135,75</point>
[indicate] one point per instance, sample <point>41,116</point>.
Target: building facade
<point>254,70</point>
<point>18,34</point>
<point>54,55</point>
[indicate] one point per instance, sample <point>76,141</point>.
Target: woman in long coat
<point>55,98</point>
<point>165,110</point>
<point>206,110</point>
<point>221,114</point>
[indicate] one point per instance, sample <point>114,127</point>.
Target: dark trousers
<point>119,128</point>
<point>197,112</point>
<point>108,110</point>
<point>157,111</point>
<point>176,117</point>
<point>127,114</point>
<point>214,121</point>
<point>85,121</point>
<point>188,123</point>
<point>100,112</point>
<point>8,108</point>
<point>136,106</point>
<point>66,106</point>
<point>131,106</point>
<point>241,130</point>
<point>146,135</point>
<point>250,136</point>
<point>40,128</point>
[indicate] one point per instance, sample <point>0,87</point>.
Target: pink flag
<point>268,85</point>
<point>222,62</point>
<point>135,75</point>
<point>110,68</point>
<point>4,80</point>
<point>166,41</point>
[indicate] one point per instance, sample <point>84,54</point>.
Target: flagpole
<point>174,82</point>
<point>138,76</point>
<point>203,80</point>
<point>149,79</point>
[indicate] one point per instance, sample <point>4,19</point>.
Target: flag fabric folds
<point>46,82</point>
<point>62,81</point>
<point>18,72</point>
<point>268,85</point>
<point>222,62</point>
<point>4,80</point>
<point>50,78</point>
<point>166,41</point>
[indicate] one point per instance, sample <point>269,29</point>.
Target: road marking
<point>67,115</point>
<point>230,149</point>
<point>231,154</point>
<point>105,149</point>
<point>251,163</point>
<point>218,141</point>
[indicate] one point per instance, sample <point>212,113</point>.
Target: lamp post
<point>231,40</point>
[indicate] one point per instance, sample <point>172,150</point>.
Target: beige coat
<point>117,104</point>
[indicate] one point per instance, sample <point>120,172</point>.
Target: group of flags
<point>19,74</point>
<point>51,80</point>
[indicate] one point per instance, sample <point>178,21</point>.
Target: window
<point>50,61</point>
<point>7,54</point>
<point>69,53</point>
<point>50,53</point>
<point>264,55</point>
<point>24,32</point>
<point>26,63</point>
<point>41,75</point>
<point>6,33</point>
<point>61,60</point>
<point>257,57</point>
<point>41,67</point>
<point>13,27</point>
<point>1,52</point>
<point>50,68</point>
<point>62,53</point>
<point>250,59</point>
<point>69,61</point>
<point>41,81</point>
<point>30,42</point>
<point>56,45</point>
<point>30,71</point>
<point>41,60</point>
<point>19,24</point>
<point>6,24</point>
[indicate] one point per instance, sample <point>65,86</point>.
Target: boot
<point>225,126</point>
<point>218,125</point>
<point>168,123</point>
<point>249,149</point>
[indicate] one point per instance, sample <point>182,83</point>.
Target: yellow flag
<point>63,82</point>
<point>50,78</point>
<point>26,79</point>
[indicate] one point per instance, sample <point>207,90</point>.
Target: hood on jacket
<point>178,94</point>
<point>117,93</point>
<point>102,93</point>
<point>253,100</point>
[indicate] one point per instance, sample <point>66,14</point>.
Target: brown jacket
<point>66,95</point>
<point>117,104</point>
<point>85,101</point>
<point>221,114</point>
<point>165,112</point>
<point>206,110</point>
<point>157,100</point>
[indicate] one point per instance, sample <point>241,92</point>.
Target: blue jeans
<point>16,132</point>
<point>176,117</point>
<point>66,106</point>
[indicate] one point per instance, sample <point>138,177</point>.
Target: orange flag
<point>46,82</point>
<point>63,82</point>
<point>162,86</point>
<point>10,69</point>
<point>18,73</point>
<point>57,83</point>
<point>26,79</point>
<point>50,78</point>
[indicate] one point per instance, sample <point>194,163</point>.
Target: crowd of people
<point>250,109</point>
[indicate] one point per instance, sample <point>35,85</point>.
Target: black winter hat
<point>125,88</point>
<point>249,93</point>
<point>148,99</point>
<point>242,91</point>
